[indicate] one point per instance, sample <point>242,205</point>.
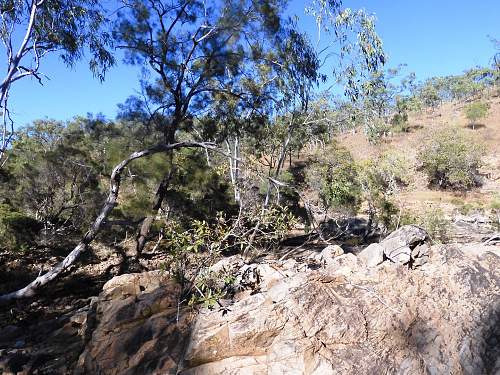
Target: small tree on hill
<point>476,111</point>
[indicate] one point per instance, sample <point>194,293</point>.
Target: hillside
<point>418,195</point>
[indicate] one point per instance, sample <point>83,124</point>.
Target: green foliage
<point>354,36</point>
<point>429,94</point>
<point>376,130</point>
<point>275,224</point>
<point>451,159</point>
<point>333,174</point>
<point>476,111</point>
<point>432,219</point>
<point>191,252</point>
<point>404,105</point>
<point>460,87</point>
<point>471,207</point>
<point>53,176</point>
<point>17,231</point>
<point>380,179</point>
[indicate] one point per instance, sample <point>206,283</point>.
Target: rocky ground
<point>398,307</point>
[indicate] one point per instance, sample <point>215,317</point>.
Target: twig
<point>495,236</point>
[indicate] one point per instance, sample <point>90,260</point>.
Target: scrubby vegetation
<point>451,159</point>
<point>476,111</point>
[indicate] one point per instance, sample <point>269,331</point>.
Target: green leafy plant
<point>333,175</point>
<point>432,219</point>
<point>451,159</point>
<point>380,180</point>
<point>376,130</point>
<point>476,111</point>
<point>17,231</point>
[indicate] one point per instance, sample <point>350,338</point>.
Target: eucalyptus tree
<point>31,30</point>
<point>496,57</point>
<point>347,43</point>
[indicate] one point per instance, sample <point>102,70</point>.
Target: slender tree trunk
<point>234,166</point>
<point>143,234</point>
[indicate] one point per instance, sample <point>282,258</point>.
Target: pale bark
<point>234,166</point>
<point>13,67</point>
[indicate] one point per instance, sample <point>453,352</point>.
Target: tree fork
<point>148,221</point>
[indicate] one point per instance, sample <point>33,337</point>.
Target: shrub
<point>380,179</point>
<point>190,253</point>
<point>451,159</point>
<point>376,130</point>
<point>432,219</point>
<point>17,231</point>
<point>334,176</point>
<point>476,111</point>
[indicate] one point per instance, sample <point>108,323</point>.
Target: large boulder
<point>442,319</point>
<point>372,256</point>
<point>139,328</point>
<point>398,246</point>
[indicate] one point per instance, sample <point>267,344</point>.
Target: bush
<point>17,231</point>
<point>376,130</point>
<point>451,160</point>
<point>433,220</point>
<point>476,111</point>
<point>380,180</point>
<point>334,176</point>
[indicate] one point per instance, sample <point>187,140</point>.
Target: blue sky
<point>433,37</point>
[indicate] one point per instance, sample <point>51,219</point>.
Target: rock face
<point>398,246</point>
<point>339,318</point>
<point>138,328</point>
<point>343,318</point>
<point>373,255</point>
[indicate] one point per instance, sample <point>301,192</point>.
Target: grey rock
<point>420,251</point>
<point>338,319</point>
<point>373,255</point>
<point>328,253</point>
<point>399,244</point>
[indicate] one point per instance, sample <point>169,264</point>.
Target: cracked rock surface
<point>343,318</point>
<point>338,317</point>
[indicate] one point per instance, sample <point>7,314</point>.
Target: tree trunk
<point>148,221</point>
<point>234,167</point>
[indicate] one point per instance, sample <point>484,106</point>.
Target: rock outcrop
<point>343,318</point>
<point>399,246</point>
<point>340,317</point>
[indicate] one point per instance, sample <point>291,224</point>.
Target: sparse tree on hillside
<point>451,159</point>
<point>30,30</point>
<point>475,112</point>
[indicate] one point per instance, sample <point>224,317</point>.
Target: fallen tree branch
<point>110,203</point>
